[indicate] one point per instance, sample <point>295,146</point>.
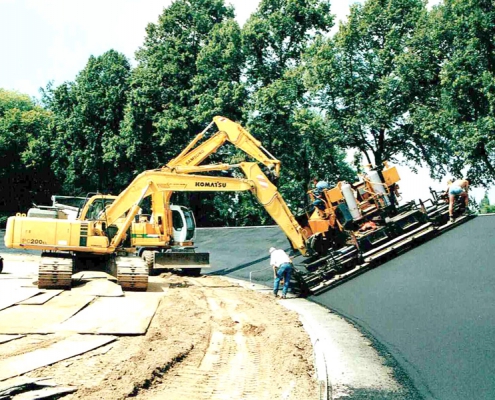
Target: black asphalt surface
<point>241,253</point>
<point>433,309</point>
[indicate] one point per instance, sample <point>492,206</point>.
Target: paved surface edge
<point>345,360</point>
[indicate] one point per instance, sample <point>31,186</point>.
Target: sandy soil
<point>209,339</point>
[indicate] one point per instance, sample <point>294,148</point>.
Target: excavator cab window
<point>191,226</point>
<point>96,208</point>
<point>177,220</point>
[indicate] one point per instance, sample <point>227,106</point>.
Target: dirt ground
<point>209,339</point>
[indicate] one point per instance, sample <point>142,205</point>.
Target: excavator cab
<point>180,254</point>
<point>183,224</point>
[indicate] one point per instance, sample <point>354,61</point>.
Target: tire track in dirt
<point>209,339</point>
<point>229,367</point>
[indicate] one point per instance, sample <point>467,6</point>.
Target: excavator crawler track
<point>55,273</point>
<point>132,273</point>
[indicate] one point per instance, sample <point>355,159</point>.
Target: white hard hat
<point>272,249</point>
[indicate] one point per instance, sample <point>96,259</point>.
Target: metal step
<point>399,241</point>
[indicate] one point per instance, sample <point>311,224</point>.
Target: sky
<point>51,40</point>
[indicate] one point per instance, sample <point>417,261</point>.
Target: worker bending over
<point>457,188</point>
<point>282,268</point>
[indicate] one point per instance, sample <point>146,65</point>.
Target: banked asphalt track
<point>431,309</point>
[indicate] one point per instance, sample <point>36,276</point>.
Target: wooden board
<point>100,288</point>
<point>22,319</point>
<point>88,275</point>
<point>10,297</point>
<point>41,298</point>
<point>130,315</point>
<point>73,346</point>
<point>8,338</point>
<point>46,393</point>
<point>12,385</point>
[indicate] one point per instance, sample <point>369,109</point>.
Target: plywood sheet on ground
<point>46,393</point>
<point>10,297</point>
<point>59,351</point>
<point>8,338</point>
<point>130,315</point>
<point>41,298</point>
<point>12,385</point>
<point>100,288</point>
<point>23,319</point>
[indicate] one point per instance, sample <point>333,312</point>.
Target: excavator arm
<point>157,181</point>
<point>195,153</point>
<point>227,131</point>
<point>268,196</point>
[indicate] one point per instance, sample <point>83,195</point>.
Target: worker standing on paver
<point>282,268</point>
<point>456,188</point>
<point>320,186</point>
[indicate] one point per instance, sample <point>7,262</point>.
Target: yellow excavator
<point>109,230</point>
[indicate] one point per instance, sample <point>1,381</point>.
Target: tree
<point>88,152</point>
<point>485,206</point>
<point>465,32</point>
<point>274,39</point>
<point>161,113</point>
<point>356,79</point>
<point>25,157</point>
<point>217,87</point>
<point>277,34</point>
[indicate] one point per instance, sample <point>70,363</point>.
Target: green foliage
<point>485,206</point>
<point>397,82</point>
<point>468,81</point>
<point>189,70</point>
<point>88,151</point>
<point>456,51</point>
<point>25,172</point>
<point>278,113</point>
<point>217,85</point>
<point>355,79</point>
<point>278,32</point>
<point>160,117</point>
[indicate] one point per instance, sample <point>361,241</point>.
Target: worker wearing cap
<point>282,268</point>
